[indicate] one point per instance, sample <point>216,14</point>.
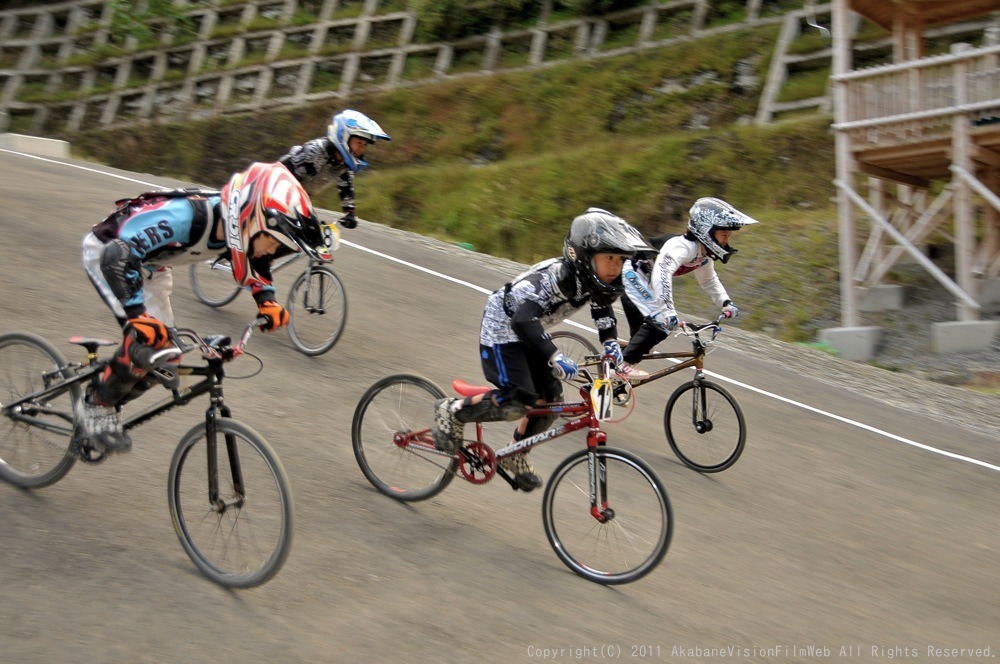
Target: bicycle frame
<point>213,374</point>
<point>587,419</point>
<point>222,263</point>
<point>694,358</point>
<point>86,372</point>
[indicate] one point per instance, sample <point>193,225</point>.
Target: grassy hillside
<point>504,162</point>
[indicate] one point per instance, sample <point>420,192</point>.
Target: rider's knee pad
<point>121,269</point>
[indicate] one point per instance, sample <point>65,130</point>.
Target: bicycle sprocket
<point>478,464</point>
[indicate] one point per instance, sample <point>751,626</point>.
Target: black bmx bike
<point>228,494</point>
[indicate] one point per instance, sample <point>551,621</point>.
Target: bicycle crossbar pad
<point>467,390</point>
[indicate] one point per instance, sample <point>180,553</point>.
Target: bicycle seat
<point>91,344</point>
<point>468,390</point>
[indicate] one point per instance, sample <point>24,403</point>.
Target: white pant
<point>157,284</point>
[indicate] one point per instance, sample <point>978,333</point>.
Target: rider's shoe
<point>447,430</point>
<point>522,470</point>
<point>101,426</point>
<point>632,373</point>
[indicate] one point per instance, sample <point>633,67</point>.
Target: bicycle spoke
<point>636,533</point>
<point>400,406</point>
<point>35,435</point>
<point>244,541</point>
<point>704,426</point>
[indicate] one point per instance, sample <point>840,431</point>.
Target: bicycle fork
<point>219,503</point>
<point>597,472</point>
<point>699,406</point>
<point>309,298</point>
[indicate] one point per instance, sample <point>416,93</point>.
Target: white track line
<point>797,404</point>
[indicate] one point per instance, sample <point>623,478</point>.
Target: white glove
<point>614,349</point>
<point>730,310</point>
<point>563,367</point>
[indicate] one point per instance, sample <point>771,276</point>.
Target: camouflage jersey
<point>306,162</point>
<point>537,299</point>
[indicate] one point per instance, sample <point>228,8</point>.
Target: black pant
<point>642,335</point>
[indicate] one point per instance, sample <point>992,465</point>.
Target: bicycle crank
<point>478,464</point>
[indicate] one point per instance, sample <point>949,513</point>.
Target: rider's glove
<point>563,368</point>
<point>148,331</point>
<point>612,348</point>
<point>144,335</point>
<point>349,220</point>
<point>663,324</point>
<point>276,315</point>
<point>730,310</point>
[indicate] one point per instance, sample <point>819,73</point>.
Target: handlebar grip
<point>165,355</point>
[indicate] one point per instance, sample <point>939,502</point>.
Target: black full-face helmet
<point>597,231</point>
<point>711,214</point>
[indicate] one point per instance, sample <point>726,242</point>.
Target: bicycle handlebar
<point>693,329</point>
<point>213,348</point>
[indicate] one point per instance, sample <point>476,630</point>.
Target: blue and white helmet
<point>710,214</point>
<point>349,123</point>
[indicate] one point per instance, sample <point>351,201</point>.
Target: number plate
<point>602,397</point>
<point>331,236</point>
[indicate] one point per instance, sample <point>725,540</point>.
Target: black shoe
<point>447,430</point>
<point>523,472</point>
<point>101,427</point>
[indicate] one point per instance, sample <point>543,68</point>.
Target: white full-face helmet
<point>711,214</point>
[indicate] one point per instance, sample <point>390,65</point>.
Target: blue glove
<point>730,310</point>
<point>612,348</point>
<point>349,220</point>
<point>665,325</point>
<point>563,368</point>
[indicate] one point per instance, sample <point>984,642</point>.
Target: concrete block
<point>42,147</point>
<point>858,344</point>
<point>963,336</point>
<point>989,299</point>
<point>881,298</point>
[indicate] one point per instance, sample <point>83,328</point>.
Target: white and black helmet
<point>598,231</point>
<point>710,214</point>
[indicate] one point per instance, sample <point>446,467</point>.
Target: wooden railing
<point>917,100</point>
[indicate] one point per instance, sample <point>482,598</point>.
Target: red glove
<point>149,331</point>
<point>276,315</point>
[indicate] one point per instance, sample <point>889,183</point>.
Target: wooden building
<point>918,151</point>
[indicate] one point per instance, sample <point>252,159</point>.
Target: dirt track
<point>825,533</point>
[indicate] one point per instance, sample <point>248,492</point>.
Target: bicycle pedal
<point>166,377</point>
<point>88,454</point>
